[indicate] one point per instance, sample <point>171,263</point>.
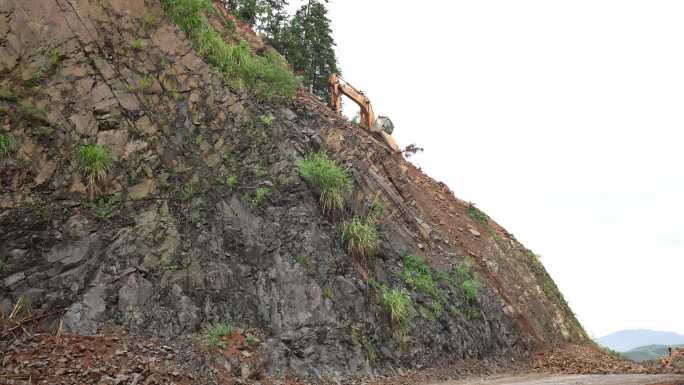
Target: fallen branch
<point>20,324</point>
<point>12,376</point>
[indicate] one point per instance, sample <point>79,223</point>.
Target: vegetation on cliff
<point>267,75</point>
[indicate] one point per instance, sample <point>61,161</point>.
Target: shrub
<point>260,196</point>
<point>400,306</point>
<point>267,76</point>
<point>7,145</point>
<point>361,237</point>
<point>418,274</point>
<point>212,339</point>
<point>94,160</point>
<point>333,182</point>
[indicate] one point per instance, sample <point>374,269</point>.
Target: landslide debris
<point>586,359</point>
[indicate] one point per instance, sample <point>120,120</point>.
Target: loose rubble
<point>576,359</point>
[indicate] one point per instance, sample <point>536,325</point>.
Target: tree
<point>247,10</point>
<point>305,40</point>
<point>309,47</point>
<point>266,16</point>
<point>273,22</point>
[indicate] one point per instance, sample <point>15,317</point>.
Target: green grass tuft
<point>105,207</point>
<point>476,214</point>
<point>94,161</point>
<point>251,340</point>
<point>267,120</point>
<point>419,275</point>
<point>377,210</point>
<point>268,76</point>
<point>400,306</point>
<point>231,182</point>
<point>54,57</point>
<point>260,195</point>
<point>333,182</point>
<point>468,281</point>
<point>42,132</point>
<point>32,111</point>
<point>212,339</point>
<point>188,192</point>
<point>361,238</point>
<point>145,83</point>
<point>7,145</point>
<point>148,22</point>
<point>470,288</point>
<point>138,44</point>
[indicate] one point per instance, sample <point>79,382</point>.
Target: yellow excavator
<point>382,126</point>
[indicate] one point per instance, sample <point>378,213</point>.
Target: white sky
<point>563,120</point>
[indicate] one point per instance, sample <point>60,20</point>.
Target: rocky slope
<point>165,245</point>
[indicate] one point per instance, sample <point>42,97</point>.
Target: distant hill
<point>648,352</point>
<point>626,340</point>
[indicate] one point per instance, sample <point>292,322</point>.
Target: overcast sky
<point>561,120</point>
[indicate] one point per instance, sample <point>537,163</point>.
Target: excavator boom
<point>339,87</point>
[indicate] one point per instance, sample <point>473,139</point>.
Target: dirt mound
<point>581,359</point>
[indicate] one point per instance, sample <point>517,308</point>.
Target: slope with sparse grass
<point>162,175</point>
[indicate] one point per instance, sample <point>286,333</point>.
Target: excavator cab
<point>383,123</point>
<point>382,126</point>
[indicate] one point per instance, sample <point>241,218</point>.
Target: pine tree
<point>305,40</point>
<point>273,21</point>
<point>266,16</point>
<point>309,47</point>
<point>247,10</point>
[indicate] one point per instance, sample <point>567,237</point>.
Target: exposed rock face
<point>178,248</point>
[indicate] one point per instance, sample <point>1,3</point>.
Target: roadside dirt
<point>555,379</point>
<point>111,359</point>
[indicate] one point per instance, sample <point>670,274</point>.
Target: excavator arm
<point>339,87</point>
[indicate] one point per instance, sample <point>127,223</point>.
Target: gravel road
<point>556,379</point>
